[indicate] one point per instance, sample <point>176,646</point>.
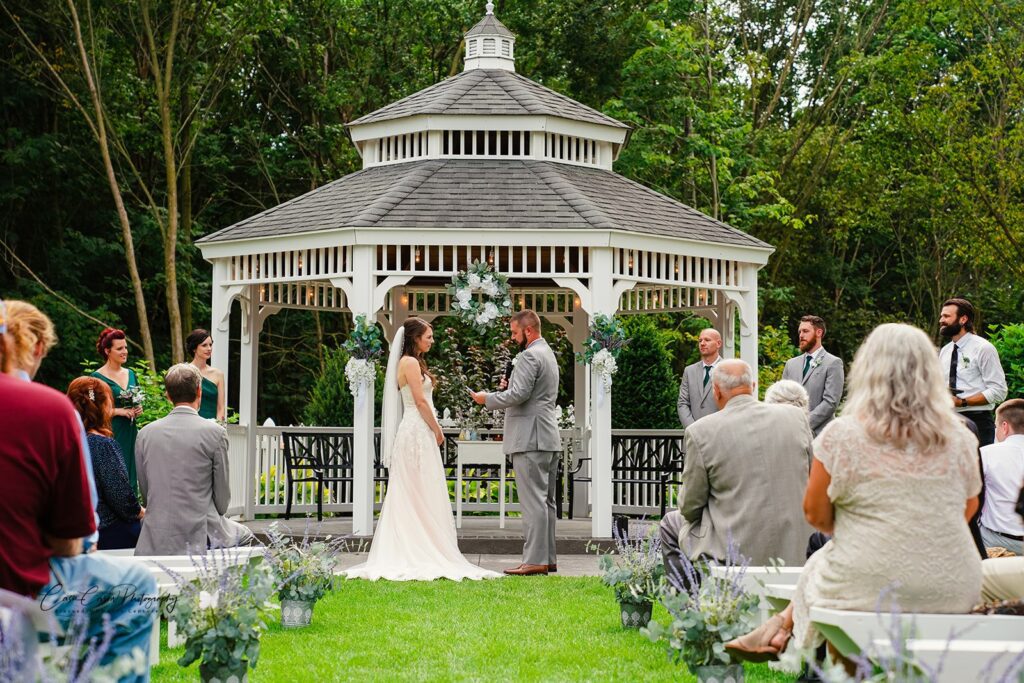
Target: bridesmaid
<point>199,345</point>
<point>112,347</point>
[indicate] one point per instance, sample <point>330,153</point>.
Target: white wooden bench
<point>956,646</point>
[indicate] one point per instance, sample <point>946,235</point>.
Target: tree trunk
<point>115,190</point>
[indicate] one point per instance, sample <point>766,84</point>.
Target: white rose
<point>491,310</point>
<point>463,295</point>
<point>465,305</point>
<point>474,280</point>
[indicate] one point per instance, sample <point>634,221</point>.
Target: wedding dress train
<point>415,538</point>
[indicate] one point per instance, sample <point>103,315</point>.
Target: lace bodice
<point>409,403</point>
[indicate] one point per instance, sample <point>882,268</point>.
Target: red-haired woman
<point>118,508</point>
<point>112,346</point>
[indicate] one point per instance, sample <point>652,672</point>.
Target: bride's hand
<point>439,436</point>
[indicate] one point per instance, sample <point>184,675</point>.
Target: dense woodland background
<point>876,143</point>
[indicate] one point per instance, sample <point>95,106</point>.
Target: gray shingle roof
<point>491,26</point>
<point>486,194</point>
<point>488,92</point>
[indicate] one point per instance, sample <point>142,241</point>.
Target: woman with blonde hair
<point>32,336</point>
<point>893,480</point>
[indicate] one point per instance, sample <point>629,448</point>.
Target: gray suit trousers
<point>536,479</point>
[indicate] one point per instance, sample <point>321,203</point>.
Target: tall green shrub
<point>330,402</point>
<point>645,389</point>
<point>1009,342</point>
<point>774,349</point>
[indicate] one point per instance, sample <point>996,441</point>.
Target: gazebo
<point>486,165</point>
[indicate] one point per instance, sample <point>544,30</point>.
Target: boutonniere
<point>516,359</point>
<point>965,361</point>
<point>815,363</point>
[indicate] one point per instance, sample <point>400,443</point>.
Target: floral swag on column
<point>601,349</point>
<point>364,346</point>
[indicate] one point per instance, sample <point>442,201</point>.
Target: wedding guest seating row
<point>952,647</point>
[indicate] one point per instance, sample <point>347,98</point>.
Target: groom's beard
<point>522,344</point>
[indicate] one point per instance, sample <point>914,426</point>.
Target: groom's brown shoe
<point>528,570</point>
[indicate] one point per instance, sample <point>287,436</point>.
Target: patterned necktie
<point>952,367</point>
<point>807,364</point>
<point>707,374</point>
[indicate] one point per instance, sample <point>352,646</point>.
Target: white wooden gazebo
<point>484,165</point>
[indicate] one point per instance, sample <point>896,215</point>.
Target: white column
<point>248,383</point>
<point>603,302</point>
<point>220,320</point>
<point>726,325</point>
<point>580,399</point>
<point>362,303</point>
<point>748,320</point>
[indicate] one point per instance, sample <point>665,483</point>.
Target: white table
<point>479,453</point>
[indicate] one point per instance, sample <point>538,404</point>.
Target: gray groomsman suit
<point>696,399</point>
<point>745,474</point>
<point>183,475</point>
<point>531,438</point>
<point>823,382</point>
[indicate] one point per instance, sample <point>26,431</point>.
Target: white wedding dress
<point>415,538</point>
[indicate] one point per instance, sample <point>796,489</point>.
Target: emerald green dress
<point>208,408</point>
<point>124,429</point>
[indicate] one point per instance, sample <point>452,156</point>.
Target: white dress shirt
<point>978,370</point>
<point>1004,474</point>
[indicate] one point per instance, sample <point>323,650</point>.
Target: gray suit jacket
<point>824,385</point>
<point>529,402</point>
<point>744,474</point>
<point>182,462</point>
<point>695,399</point>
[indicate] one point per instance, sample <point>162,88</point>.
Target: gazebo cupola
<point>489,45</point>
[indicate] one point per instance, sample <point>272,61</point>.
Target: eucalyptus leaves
<point>466,289</point>
<point>364,346</point>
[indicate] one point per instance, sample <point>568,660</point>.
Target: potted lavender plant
<point>707,611</point>
<point>634,570</point>
<point>305,572</point>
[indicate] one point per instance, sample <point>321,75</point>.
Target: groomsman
<point>695,396</point>
<point>820,373</point>
<point>973,371</point>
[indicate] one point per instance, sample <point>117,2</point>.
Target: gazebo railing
<point>636,458</point>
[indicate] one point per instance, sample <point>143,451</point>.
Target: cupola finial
<point>490,45</point>
<point>490,7</point>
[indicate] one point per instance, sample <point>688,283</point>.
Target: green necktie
<point>707,374</point>
<point>807,365</point>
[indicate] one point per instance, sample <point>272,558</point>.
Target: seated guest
<point>47,508</point>
<point>788,392</point>
<point>1002,578</point>
<point>745,472</point>
<point>1003,464</point>
<point>183,474</point>
<point>893,480</point>
<point>118,508</point>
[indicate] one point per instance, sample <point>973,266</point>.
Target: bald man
<point>743,479</point>
<point>695,398</point>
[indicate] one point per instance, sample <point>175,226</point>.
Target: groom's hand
<point>479,396</point>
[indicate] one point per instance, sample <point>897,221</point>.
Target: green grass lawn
<point>516,629</point>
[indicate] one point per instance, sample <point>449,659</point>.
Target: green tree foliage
<point>645,389</point>
<point>331,403</point>
<point>1009,342</point>
<point>774,349</point>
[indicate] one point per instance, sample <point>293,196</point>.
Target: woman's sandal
<point>756,646</point>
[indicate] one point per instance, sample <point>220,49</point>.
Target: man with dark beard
<point>971,365</point>
<point>818,371</point>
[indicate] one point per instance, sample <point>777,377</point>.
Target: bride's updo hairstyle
<point>414,329</point>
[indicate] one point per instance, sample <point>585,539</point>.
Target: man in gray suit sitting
<point>183,475</point>
<point>744,478</point>
<point>695,397</point>
<point>820,373</point>
<point>531,438</point>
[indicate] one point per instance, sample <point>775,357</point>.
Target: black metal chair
<point>324,458</point>
<point>634,460</point>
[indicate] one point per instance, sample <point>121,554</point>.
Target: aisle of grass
<point>553,629</point>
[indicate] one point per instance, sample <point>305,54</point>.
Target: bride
<point>415,537</point>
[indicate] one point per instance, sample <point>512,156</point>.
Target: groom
<point>531,437</point>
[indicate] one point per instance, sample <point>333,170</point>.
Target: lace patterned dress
<point>900,535</point>
<point>415,538</point>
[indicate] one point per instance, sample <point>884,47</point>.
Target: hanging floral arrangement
<point>480,295</point>
<point>364,346</point>
<point>601,349</point>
